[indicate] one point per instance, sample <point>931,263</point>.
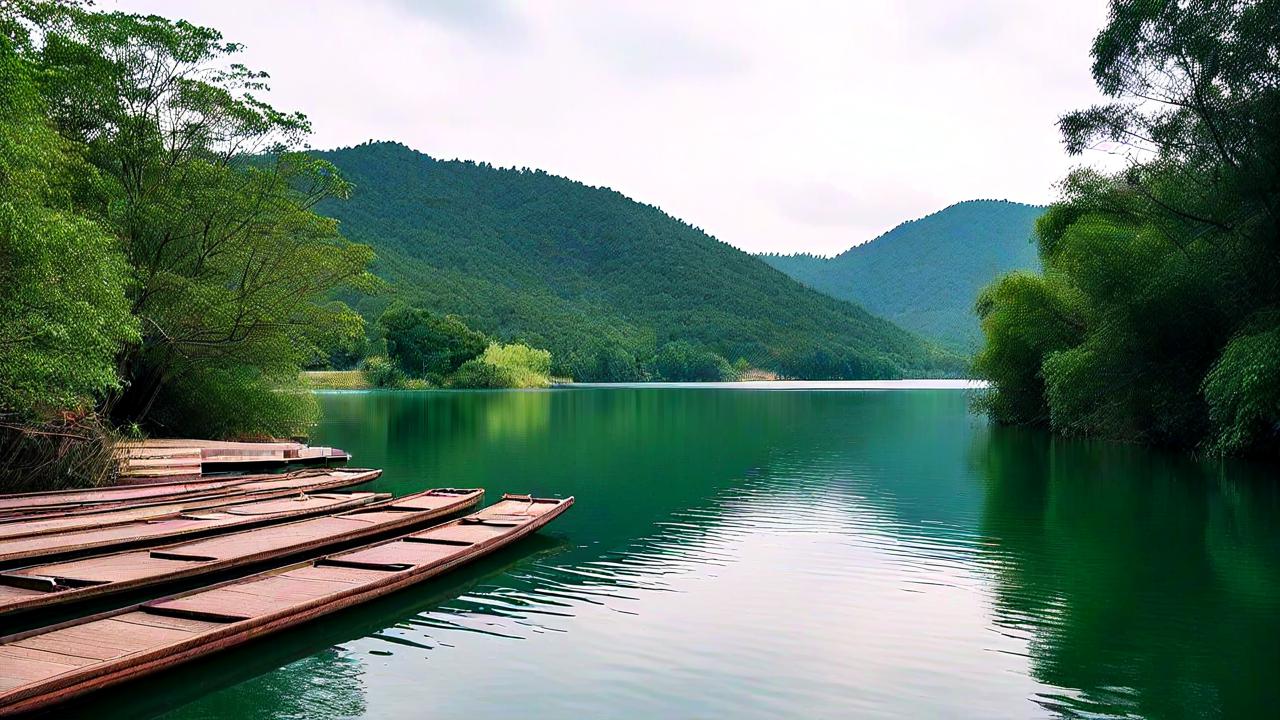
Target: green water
<point>762,554</point>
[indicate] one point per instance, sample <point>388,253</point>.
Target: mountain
<point>925,274</point>
<point>602,281</point>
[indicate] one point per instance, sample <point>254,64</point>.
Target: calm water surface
<point>759,554</point>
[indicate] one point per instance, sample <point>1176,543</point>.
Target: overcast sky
<point>775,126</point>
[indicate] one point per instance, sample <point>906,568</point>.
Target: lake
<point>793,552</point>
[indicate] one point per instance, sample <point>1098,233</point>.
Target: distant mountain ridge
<point>925,274</point>
<point>601,280</point>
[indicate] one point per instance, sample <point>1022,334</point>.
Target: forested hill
<point>602,281</point>
<point>925,274</point>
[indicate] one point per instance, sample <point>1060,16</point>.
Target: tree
<point>604,362</point>
<point>428,346</point>
<point>62,278</point>
<point>680,361</point>
<point>233,270</point>
<point>1155,318</point>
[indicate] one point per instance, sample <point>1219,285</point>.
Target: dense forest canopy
<point>601,281</point>
<point>924,274</point>
<point>1157,315</point>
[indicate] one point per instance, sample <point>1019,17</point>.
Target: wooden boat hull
<point>57,501</point>
<point>262,489</point>
<point>167,493</point>
<point>147,533</point>
<point>44,586</point>
<point>126,644</point>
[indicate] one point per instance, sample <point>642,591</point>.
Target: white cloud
<point>775,126</point>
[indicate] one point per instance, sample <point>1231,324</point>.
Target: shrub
<point>1243,393</point>
<point>382,373</point>
<point>505,366</point>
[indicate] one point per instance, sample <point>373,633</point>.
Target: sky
<point>800,126</point>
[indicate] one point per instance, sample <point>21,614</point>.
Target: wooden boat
<point>49,665</point>
<point>60,500</point>
<point>63,502</point>
<point>145,533</point>
<point>270,486</point>
<point>44,586</point>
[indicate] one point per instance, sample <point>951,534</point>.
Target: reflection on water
<point>1142,583</point>
<point>794,554</point>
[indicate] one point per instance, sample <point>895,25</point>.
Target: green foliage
<point>1243,391</point>
<point>529,257</point>
<point>924,274</point>
<point>62,278</point>
<point>381,372</point>
<point>1156,318</point>
<point>1025,318</point>
<point>683,362</point>
<point>505,366</point>
<point>604,363</point>
<point>233,272</point>
<point>238,402</point>
<point>428,346</point>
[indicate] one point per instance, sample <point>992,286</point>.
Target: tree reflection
<point>1149,584</point>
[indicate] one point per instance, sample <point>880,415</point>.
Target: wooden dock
<point>168,458</point>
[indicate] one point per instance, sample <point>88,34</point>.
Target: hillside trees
<point>1156,316</point>
<point>924,273</point>
<point>598,279</point>
<point>681,361</point>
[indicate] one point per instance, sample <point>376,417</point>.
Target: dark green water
<point>761,554</point>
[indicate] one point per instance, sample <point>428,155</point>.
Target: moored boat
<point>146,533</point>
<point>259,488</point>
<point>54,664</point>
<point>61,500</point>
<point>47,585</point>
<point>94,500</point>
